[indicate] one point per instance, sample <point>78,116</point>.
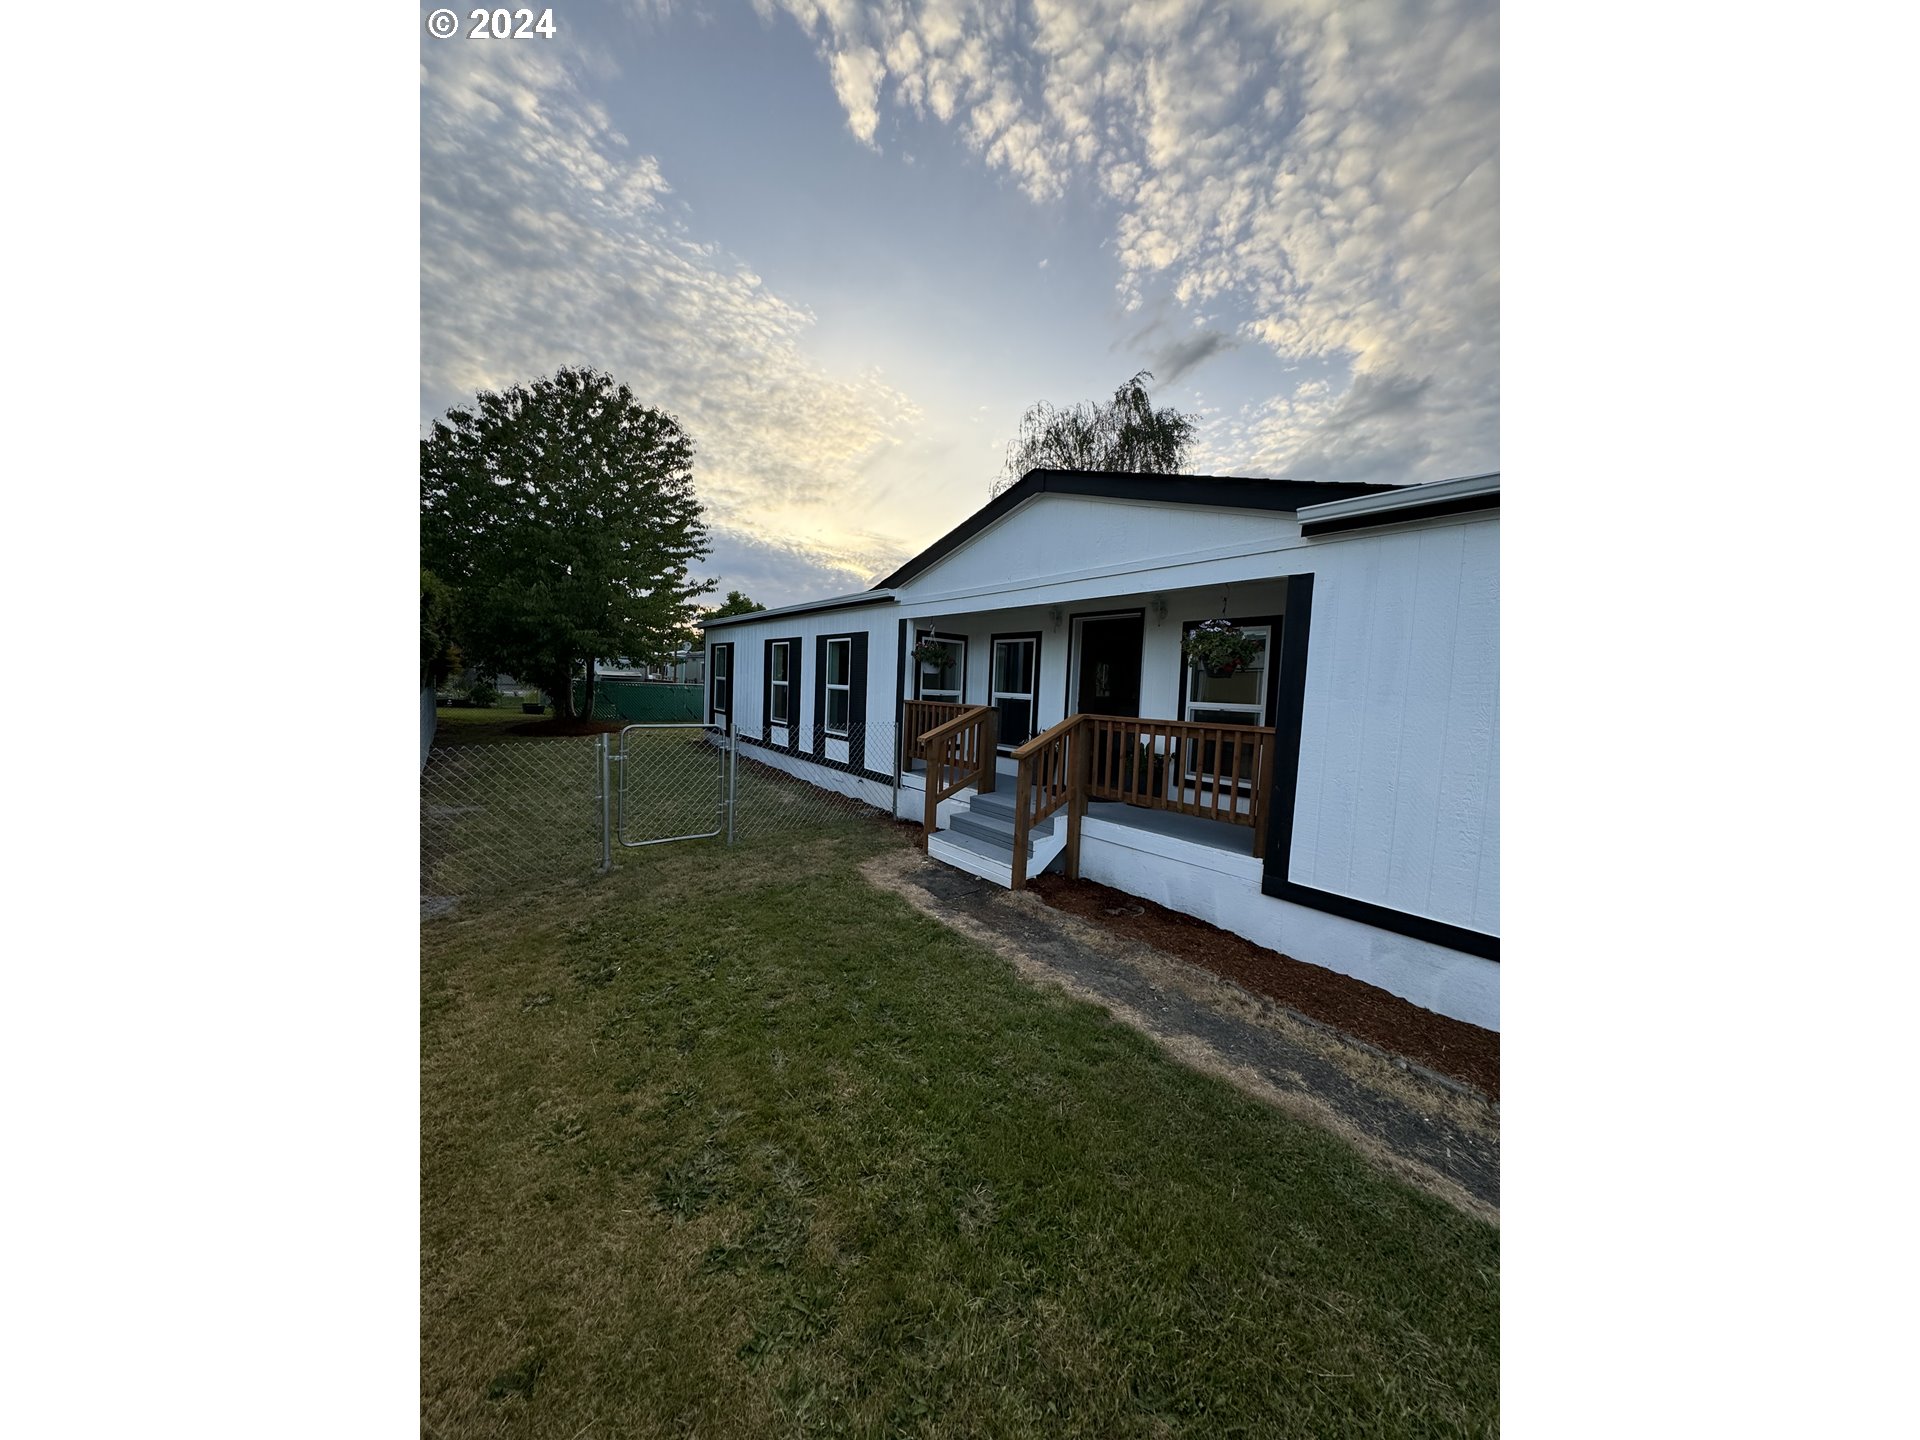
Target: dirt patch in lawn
<point>1453,1048</point>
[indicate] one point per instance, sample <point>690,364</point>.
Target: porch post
<point>1080,771</point>
<point>989,775</point>
<point>1022,827</point>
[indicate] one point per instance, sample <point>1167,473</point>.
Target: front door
<point>1109,667</point>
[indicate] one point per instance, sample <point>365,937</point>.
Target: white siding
<point>879,623</point>
<point>1056,540</point>
<point>1398,800</point>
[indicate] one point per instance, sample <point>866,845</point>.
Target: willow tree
<point>563,514</point>
<point>1125,434</point>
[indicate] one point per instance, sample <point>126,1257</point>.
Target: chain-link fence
<point>495,818</point>
<point>785,790</point>
<point>670,783</point>
<point>518,813</point>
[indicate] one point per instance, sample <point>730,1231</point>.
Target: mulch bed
<point>565,727</point>
<point>1452,1047</point>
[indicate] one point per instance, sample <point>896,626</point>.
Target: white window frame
<point>722,690</point>
<point>958,643</point>
<point>777,689</point>
<point>829,686</point>
<point>1031,694</point>
<point>1251,714</point>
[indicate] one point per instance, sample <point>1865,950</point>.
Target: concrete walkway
<point>1422,1127</point>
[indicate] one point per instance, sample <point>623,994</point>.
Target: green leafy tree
<point>1125,434</point>
<point>437,651</point>
<point>736,604</point>
<point>563,513</point>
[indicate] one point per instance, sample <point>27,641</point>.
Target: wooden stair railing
<point>918,717</point>
<point>960,752</point>
<point>1218,772</point>
<point>1053,768</point>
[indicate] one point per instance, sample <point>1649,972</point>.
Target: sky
<point>848,245</point>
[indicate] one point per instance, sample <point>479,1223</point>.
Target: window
<point>943,679</point>
<point>780,686</point>
<point>1012,685</point>
<point>1236,699</point>
<point>722,680</point>
<point>839,683</point>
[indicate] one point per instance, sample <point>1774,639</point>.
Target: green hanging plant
<point>1220,647</point>
<point>932,652</point>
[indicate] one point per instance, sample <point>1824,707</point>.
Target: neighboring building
<point>686,667</point>
<point>1335,798</point>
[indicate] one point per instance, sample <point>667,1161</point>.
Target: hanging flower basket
<point>1220,647</point>
<point>932,654</point>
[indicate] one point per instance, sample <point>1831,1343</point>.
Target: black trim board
<point>856,736</point>
<point>1433,509</point>
<point>796,669</point>
<point>899,693</point>
<point>1274,879</point>
<point>1234,492</point>
<point>733,688</point>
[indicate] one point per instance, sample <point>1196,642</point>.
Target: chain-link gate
<point>669,782</point>
<point>496,818</point>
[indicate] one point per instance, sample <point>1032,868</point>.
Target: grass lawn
<point>731,1143</point>
<point>481,727</point>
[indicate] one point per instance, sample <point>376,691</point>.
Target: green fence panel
<point>640,702</point>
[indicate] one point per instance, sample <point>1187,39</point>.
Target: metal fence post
<point>733,780</point>
<point>606,802</point>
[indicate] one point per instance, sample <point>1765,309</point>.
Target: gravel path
<point>1430,1131</point>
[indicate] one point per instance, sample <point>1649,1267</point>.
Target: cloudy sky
<point>849,244</point>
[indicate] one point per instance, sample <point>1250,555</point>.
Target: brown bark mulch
<point>1452,1047</point>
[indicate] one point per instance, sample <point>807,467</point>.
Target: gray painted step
<point>990,828</point>
<point>985,849</point>
<point>998,805</point>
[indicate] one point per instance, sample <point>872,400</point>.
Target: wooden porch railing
<point>959,753</point>
<point>916,719</point>
<point>1218,772</point>
<point>1176,765</point>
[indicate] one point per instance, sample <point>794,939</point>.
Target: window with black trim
<point>1238,694</point>
<point>722,684</point>
<point>839,686</point>
<point>942,678</point>
<point>780,684</point>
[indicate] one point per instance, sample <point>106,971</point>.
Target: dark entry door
<point>1110,665</point>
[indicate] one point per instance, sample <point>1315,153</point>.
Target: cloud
<point>857,74</point>
<point>1180,357</point>
<point>779,571</point>
<point>1326,174</point>
<point>546,240</point>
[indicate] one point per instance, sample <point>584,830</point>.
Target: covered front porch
<point>1092,711</point>
<point>1180,785</point>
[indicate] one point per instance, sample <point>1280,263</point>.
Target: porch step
<point>998,805</point>
<point>996,829</point>
<point>980,841</point>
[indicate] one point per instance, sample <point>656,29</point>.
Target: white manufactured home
<point>1022,689</point>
